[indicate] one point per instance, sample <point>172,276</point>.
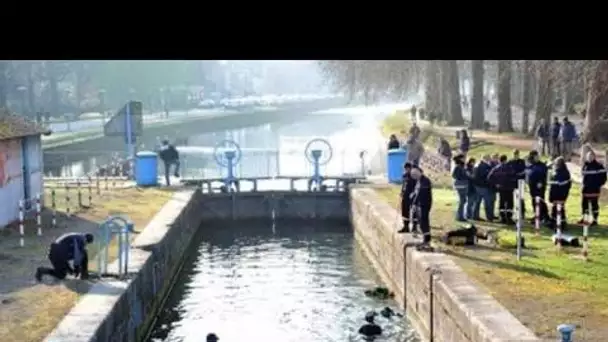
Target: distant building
<point>21,166</point>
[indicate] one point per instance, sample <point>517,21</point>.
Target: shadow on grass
<point>505,265</point>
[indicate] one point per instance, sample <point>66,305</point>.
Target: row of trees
<point>536,88</point>
<point>76,86</point>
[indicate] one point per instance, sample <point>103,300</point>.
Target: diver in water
<point>370,329</point>
<point>68,247</point>
<point>212,337</point>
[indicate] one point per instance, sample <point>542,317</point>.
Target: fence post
<point>90,187</point>
<point>38,215</point>
<point>67,200</point>
<point>54,209</point>
<point>588,219</point>
<point>537,205</point>
<point>97,184</point>
<point>558,226</point>
<point>79,192</point>
<point>21,223</point>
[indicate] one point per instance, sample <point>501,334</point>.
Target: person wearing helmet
<point>68,247</point>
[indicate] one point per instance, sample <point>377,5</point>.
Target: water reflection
<point>302,283</point>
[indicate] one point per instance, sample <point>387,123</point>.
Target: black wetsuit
<point>370,329</point>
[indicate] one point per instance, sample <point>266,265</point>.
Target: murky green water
<point>290,283</point>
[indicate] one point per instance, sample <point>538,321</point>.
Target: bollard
<point>566,331</point>
<point>90,190</point>
<point>106,179</point>
<point>587,218</point>
<point>54,209</point>
<point>21,223</point>
<point>537,205</point>
<point>67,200</point>
<point>38,215</point>
<point>114,175</point>
<point>558,225</point>
<point>519,194</point>
<point>79,192</point>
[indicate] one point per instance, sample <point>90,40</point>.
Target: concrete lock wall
<point>123,310</point>
<point>461,311</point>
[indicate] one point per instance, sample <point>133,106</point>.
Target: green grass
<point>547,286</point>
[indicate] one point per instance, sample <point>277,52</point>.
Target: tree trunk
<point>568,98</point>
<point>3,85</point>
<point>477,100</point>
<point>516,84</point>
<point>454,101</point>
<point>526,97</point>
<point>505,119</point>
<point>53,89</point>
<point>432,87</point>
<point>533,88</point>
<point>543,93</point>
<point>444,82</point>
<point>597,99</point>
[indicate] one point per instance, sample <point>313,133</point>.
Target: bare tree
<point>597,100</point>
<point>505,116</point>
<point>3,85</point>
<point>432,87</point>
<point>526,96</point>
<point>544,101</point>
<point>453,91</point>
<point>477,98</point>
<point>444,86</point>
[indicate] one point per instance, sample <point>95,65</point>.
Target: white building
<point>21,167</point>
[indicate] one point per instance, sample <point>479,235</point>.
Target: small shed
<point>21,166</point>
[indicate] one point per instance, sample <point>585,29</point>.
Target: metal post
<point>588,219</point>
<point>558,226</point>
<point>230,164</point>
<point>21,223</point>
<point>90,190</point>
<point>54,208</point>
<point>67,200</point>
<point>316,155</point>
<point>38,215</point>
<point>130,142</point>
<point>519,195</point>
<point>537,205</point>
<point>79,192</point>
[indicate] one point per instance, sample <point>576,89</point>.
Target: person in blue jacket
<point>465,142</point>
<point>483,188</point>
<point>567,137</point>
<point>560,184</point>
<point>594,178</point>
<point>537,173</point>
<point>503,178</point>
<point>68,247</point>
<point>555,129</point>
<point>461,185</point>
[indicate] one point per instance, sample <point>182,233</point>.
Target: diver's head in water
<point>212,337</point>
<point>370,316</point>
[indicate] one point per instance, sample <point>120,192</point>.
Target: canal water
<point>298,282</point>
<point>267,150</point>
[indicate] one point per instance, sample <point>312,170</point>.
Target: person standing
<point>567,136</point>
<point>542,136</point>
<point>465,142</point>
<point>483,188</point>
<point>472,208</point>
<point>594,178</point>
<point>407,189</point>
<point>415,149</point>
<point>555,143</point>
<point>423,199</point>
<point>170,156</point>
<point>461,185</point>
<point>518,165</point>
<point>503,178</point>
<point>537,172</point>
<point>560,184</point>
<point>415,131</point>
<point>445,151</point>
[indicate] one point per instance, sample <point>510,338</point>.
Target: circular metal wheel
<point>226,146</point>
<point>322,145</point>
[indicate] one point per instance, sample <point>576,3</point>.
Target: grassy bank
<point>548,286</point>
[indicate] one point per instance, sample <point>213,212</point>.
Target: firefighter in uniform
<point>537,183</point>
<point>594,178</point>
<point>518,165</point>
<point>503,178</point>
<point>423,200</point>
<point>407,189</point>
<point>560,184</point>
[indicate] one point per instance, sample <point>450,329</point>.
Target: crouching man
<point>68,247</point>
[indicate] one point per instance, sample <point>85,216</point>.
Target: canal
<point>298,282</point>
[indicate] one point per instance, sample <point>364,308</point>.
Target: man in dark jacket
<point>503,178</point>
<point>518,165</point>
<point>445,151</point>
<point>537,173</point>
<point>594,178</point>
<point>170,156</point>
<point>68,247</point>
<point>542,135</point>
<point>560,184</point>
<point>393,142</point>
<point>567,136</point>
<point>483,188</point>
<point>423,199</point>
<point>555,129</point>
<point>414,131</point>
<point>407,189</point>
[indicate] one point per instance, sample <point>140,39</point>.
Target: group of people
<point>557,138</point>
<point>496,177</point>
<point>415,147</point>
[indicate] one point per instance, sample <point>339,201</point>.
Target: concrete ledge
<point>461,311</point>
<point>122,310</point>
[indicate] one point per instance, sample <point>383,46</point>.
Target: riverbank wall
<point>442,303</point>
